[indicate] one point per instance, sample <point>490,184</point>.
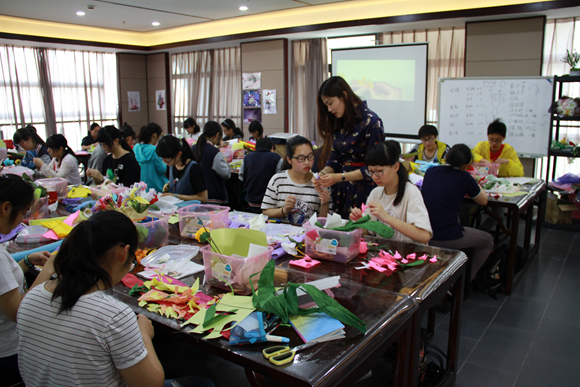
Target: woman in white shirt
<point>64,163</point>
<point>16,197</point>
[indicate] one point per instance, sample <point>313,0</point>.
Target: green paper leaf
<point>137,290</point>
<point>371,225</point>
<point>209,314</point>
<point>411,264</point>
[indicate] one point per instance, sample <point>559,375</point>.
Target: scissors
<point>280,355</point>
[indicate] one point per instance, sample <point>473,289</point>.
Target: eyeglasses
<point>429,139</point>
<point>378,173</point>
<point>302,159</point>
<point>495,141</point>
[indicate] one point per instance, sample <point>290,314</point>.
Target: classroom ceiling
<point>138,15</point>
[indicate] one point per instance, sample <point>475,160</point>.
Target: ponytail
<point>109,133</point>
<point>169,146</point>
<point>83,257</point>
<point>148,131</point>
<point>26,133</point>
<point>388,155</point>
<point>228,123</point>
<point>57,141</point>
<point>210,129</point>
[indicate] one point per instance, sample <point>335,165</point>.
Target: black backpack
<point>493,274</point>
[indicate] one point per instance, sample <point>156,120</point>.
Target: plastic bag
<point>32,234</point>
<point>250,330</point>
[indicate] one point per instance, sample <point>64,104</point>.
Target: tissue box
<point>212,217</point>
<point>57,184</point>
<point>222,269</point>
<point>156,232</point>
<point>331,245</point>
<point>39,210</point>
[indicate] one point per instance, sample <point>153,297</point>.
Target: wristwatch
<point>343,177</point>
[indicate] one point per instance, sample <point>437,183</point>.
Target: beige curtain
<point>309,68</point>
<point>21,97</point>
<point>446,57</point>
<point>206,85</point>
<point>84,90</point>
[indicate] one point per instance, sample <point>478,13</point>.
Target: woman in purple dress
<point>349,129</point>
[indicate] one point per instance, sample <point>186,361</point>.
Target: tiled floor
<point>531,338</point>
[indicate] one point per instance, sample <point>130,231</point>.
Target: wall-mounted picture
<point>134,101</point>
<point>160,99</point>
<point>252,98</point>
<point>252,114</point>
<point>269,101</point>
<point>251,81</point>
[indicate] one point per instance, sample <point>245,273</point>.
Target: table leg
<point>513,235</point>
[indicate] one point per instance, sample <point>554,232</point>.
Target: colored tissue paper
<point>423,257</point>
<point>434,259</point>
<point>305,262</point>
<point>363,248</point>
<point>59,229</point>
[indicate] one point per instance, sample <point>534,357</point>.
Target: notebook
<point>317,327</point>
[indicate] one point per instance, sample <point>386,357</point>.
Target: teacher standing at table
<point>349,129</point>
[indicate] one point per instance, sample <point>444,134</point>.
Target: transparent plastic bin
<point>236,271</point>
<point>100,191</point>
<point>331,245</point>
<point>32,234</point>
<point>212,217</point>
<point>57,184</point>
<point>484,169</point>
<point>228,153</point>
<point>39,210</point>
<point>157,229</point>
<point>177,253</point>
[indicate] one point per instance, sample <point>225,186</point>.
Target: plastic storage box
<point>155,230</point>
<point>331,245</point>
<point>484,169</point>
<point>212,217</point>
<point>57,184</point>
<point>222,269</point>
<point>39,209</point>
<point>277,232</point>
<point>100,191</point>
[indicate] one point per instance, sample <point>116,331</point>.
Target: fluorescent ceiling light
<point>243,8</point>
<point>80,13</point>
<point>155,24</point>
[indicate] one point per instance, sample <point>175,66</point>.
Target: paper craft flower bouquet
<point>388,263</point>
<point>134,204</point>
<point>567,107</point>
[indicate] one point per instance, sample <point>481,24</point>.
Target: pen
<point>277,339</point>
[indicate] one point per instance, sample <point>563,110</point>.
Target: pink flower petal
<point>397,255</point>
<point>363,208</point>
<point>434,259</point>
<point>363,248</point>
<point>423,257</point>
<point>412,256</point>
<point>404,261</point>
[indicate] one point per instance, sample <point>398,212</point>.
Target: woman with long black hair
<point>64,163</point>
<point>29,140</point>
<point>120,165</point>
<point>349,129</point>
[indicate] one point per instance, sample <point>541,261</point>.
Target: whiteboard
<point>468,105</point>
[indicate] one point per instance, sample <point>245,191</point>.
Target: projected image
<point>392,80</point>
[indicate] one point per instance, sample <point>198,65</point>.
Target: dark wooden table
<point>535,195</point>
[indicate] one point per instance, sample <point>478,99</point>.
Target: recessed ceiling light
<point>155,24</point>
<point>243,8</point>
<point>80,13</point>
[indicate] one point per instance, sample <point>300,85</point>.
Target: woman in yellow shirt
<point>493,150</point>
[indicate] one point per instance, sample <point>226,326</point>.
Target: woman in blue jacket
<point>152,166</point>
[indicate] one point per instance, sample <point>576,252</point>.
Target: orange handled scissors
<point>280,355</point>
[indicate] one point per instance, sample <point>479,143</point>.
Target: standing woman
<point>16,197</point>
<point>213,162</point>
<point>231,131</point>
<point>349,129</point>
<point>192,128</point>
<point>186,180</point>
<point>152,167</point>
<point>91,138</point>
<point>120,165</point>
<point>29,140</point>
<point>64,163</point>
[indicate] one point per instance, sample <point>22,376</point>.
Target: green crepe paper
<point>39,191</point>
<point>415,263</point>
<point>142,233</point>
<point>366,223</point>
<point>286,304</point>
<point>137,290</point>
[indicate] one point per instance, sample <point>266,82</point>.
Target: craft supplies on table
<point>484,169</point>
<point>100,191</point>
<point>153,232</point>
<point>57,184</point>
<point>279,232</point>
<point>173,261</point>
<point>221,270</point>
<point>39,209</point>
<point>18,170</point>
<point>280,355</point>
<point>331,245</point>
<point>32,234</point>
<point>196,216</point>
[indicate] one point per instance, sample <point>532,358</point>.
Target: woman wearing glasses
<point>430,148</point>
<point>396,201</point>
<point>291,193</point>
<point>349,129</point>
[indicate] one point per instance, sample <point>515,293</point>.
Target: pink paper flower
<point>363,208</point>
<point>397,255</point>
<point>404,261</point>
<point>363,248</point>
<point>434,259</point>
<point>423,257</point>
<point>411,256</point>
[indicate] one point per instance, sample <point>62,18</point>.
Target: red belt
<point>354,164</point>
